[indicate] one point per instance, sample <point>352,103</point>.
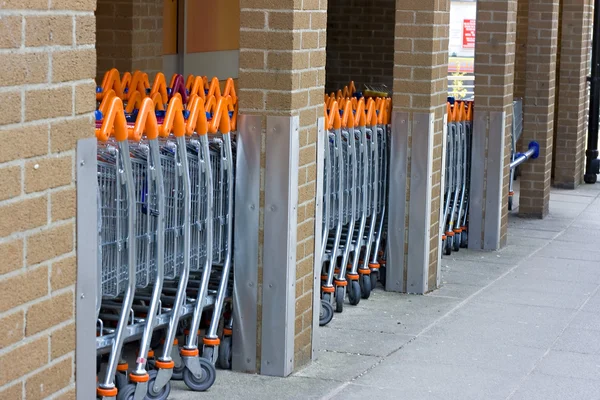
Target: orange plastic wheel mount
<point>352,277</point>
<point>328,289</point>
<point>189,352</point>
<point>165,364</point>
<point>112,392</point>
<point>211,342</point>
<point>139,378</point>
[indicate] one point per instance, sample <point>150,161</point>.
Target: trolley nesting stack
<point>165,191</point>
<point>354,200</point>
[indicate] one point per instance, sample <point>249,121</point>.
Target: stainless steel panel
<point>397,203</point>
<point>279,261</point>
<point>87,267</point>
<point>245,283</point>
<point>442,189</point>
<point>480,121</point>
<point>494,181</point>
<point>321,138</point>
<point>420,205</point>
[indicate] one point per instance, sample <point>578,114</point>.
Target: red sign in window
<point>469,33</point>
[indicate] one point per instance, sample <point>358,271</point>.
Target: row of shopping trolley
<point>354,198</point>
<point>166,160</point>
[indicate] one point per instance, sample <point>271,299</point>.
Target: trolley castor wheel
<point>464,239</point>
<point>121,380</point>
<point>456,244</point>
<point>374,276</point>
<point>340,293</point>
<point>162,394</point>
<point>326,314</point>
<point>205,381</point>
<point>365,286</point>
<point>178,372</point>
<point>448,245</point>
<point>127,392</point>
<point>354,293</point>
<point>510,204</point>
<point>224,359</point>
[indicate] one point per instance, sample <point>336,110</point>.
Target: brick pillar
<point>538,116</point>
<point>420,92</point>
<point>48,62</point>
<point>572,94</point>
<point>129,36</point>
<point>282,73</point>
<point>494,73</point>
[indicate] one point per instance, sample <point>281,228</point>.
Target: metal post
<point>592,165</point>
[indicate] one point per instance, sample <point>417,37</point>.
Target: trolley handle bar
<point>179,87</point>
<point>145,122</point>
<point>197,120</point>
<point>160,86</point>
<point>114,120</point>
<point>532,153</point>
<point>174,121</point>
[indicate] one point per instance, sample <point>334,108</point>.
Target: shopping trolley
<point>117,226</point>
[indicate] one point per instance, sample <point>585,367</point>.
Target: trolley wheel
<point>208,353</point>
<point>464,239</point>
<point>327,298</point>
<point>326,314</point>
<point>510,203</point>
<point>448,245</point>
<point>162,394</point>
<point>121,380</point>
<point>98,364</point>
<point>178,371</point>
<point>374,277</point>
<point>340,293</point>
<point>127,392</point>
<point>203,382</point>
<point>354,293</point>
<point>381,274</point>
<point>456,244</point>
<point>365,286</point>
<point>224,359</point>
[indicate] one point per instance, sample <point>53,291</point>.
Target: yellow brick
<point>62,341</point>
<point>49,380</point>
<point>64,273</point>
<point>48,103</point>
<point>49,243</point>
<point>310,40</point>
<point>12,329</point>
<point>63,204</point>
<point>65,134</point>
<point>48,30</point>
<point>48,313</point>
<point>23,142</point>
<point>48,173</point>
<point>85,30</point>
<point>31,285</point>
<point>73,65</point>
<point>252,19</point>
<point>21,69</point>
<point>10,182</point>
<point>14,392</point>
<point>23,360</point>
<point>85,99</point>
<point>25,5</point>
<point>22,215</point>
<point>10,32</point>
<point>252,59</point>
<point>11,254</point>
<point>10,104</point>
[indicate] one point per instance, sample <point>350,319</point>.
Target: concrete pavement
<point>522,323</point>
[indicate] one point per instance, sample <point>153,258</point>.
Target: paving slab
<point>336,366</point>
<point>365,341</point>
<point>543,387</point>
<point>571,365</point>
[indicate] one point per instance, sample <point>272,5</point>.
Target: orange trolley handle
<point>174,121</point>
<point>114,121</point>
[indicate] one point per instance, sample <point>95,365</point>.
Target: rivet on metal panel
<point>82,163</point>
<point>270,285</point>
<point>272,208</point>
<point>252,206</point>
<point>82,296</point>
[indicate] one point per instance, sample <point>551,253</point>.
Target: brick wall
<point>539,104</point>
<point>129,35</point>
<point>282,72</point>
<point>521,48</point>
<point>421,86</point>
<point>48,62</point>
<point>360,43</point>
